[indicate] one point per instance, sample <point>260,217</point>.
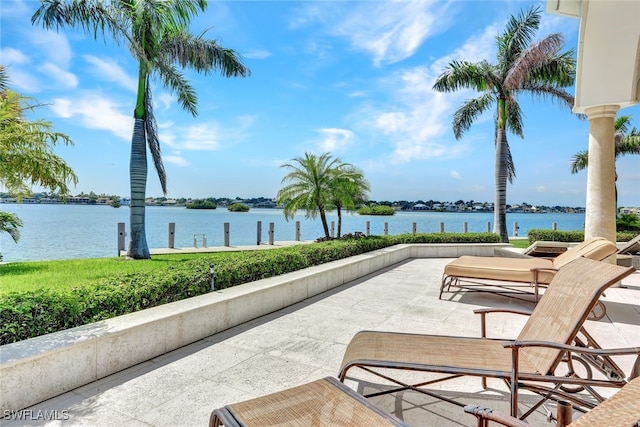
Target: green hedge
<point>535,235</point>
<point>28,314</point>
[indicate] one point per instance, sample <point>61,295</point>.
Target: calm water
<point>74,231</point>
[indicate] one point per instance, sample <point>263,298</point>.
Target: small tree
<point>309,187</point>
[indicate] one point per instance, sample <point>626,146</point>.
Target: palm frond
<point>203,55</point>
<point>464,117</point>
<point>153,141</point>
<point>175,81</point>
<point>517,36</point>
<point>536,56</point>
<point>461,74</point>
<point>514,117</point>
<point>579,161</point>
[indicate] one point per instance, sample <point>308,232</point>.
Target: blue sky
<point>351,77</point>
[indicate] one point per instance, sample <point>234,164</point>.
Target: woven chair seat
<point>325,402</point>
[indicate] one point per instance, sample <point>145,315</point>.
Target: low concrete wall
<point>43,367</point>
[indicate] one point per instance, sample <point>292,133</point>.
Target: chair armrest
<point>495,416</point>
<point>484,311</point>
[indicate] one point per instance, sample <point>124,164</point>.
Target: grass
<point>67,274</point>
<point>520,243</point>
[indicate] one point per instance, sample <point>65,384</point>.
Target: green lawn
<point>520,243</point>
<point>67,274</point>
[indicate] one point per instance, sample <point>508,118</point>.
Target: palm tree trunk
<point>339,211</point>
<point>138,248</point>
<point>501,175</point>
<point>323,218</point>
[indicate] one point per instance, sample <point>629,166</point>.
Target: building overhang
<point>608,63</point>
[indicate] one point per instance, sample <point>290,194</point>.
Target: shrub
<point>628,222</point>
<point>201,204</point>
<point>571,236</point>
<point>377,210</point>
<point>238,207</point>
<point>28,314</point>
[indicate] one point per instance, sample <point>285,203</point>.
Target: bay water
<point>91,231</point>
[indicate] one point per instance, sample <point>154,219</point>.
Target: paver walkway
<point>305,342</point>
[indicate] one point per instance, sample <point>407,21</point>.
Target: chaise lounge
<point>622,409</point>
<point>540,360</point>
<point>517,276</point>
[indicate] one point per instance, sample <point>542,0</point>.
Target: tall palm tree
<point>349,190</point>
<point>310,187</point>
<point>157,35</point>
<point>626,142</point>
<point>539,69</point>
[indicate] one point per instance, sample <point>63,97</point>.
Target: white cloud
<point>257,54</point>
<point>53,46</point>
<point>10,56</point>
<point>95,112</point>
<point>204,137</point>
<point>416,119</point>
<point>175,159</point>
<point>334,139</point>
<point>165,99</point>
<point>455,174</point>
<point>65,79</point>
<point>23,81</point>
<point>107,69</point>
<point>541,189</point>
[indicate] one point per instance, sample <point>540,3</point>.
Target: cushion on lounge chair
<point>519,269</point>
<point>498,268</point>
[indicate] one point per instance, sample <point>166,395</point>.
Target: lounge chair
<point>533,361</point>
<point>506,276</point>
<point>325,402</point>
<point>621,409</point>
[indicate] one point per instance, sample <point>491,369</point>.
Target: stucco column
<point>600,218</point>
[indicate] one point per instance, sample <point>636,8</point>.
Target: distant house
<point>420,207</point>
<point>633,211</point>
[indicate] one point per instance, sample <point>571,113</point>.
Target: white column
<point>600,219</point>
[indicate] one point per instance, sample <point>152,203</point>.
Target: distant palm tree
<point>310,187</point>
<point>626,142</point>
<point>157,35</point>
<point>538,69</point>
<point>349,190</point>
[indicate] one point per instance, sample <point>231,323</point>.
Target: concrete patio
<point>305,342</point>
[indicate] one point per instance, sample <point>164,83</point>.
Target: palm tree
<point>349,190</point>
<point>157,35</point>
<point>626,142</point>
<point>311,180</point>
<point>27,154</point>
<point>522,67</point>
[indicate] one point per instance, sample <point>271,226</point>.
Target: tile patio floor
<point>305,342</point>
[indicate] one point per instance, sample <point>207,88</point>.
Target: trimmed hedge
<point>28,314</point>
<point>571,236</point>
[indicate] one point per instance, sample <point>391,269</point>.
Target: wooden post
<point>121,236</point>
<point>386,228</point>
<point>488,226</point>
<point>368,228</point>
<point>259,233</point>
<point>172,234</point>
<point>442,227</point>
<point>465,227</point>
<point>414,228</point>
<point>271,232</point>
<point>515,228</point>
<point>554,226</point>
<point>331,230</point>
<point>297,231</point>
<point>226,234</point>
